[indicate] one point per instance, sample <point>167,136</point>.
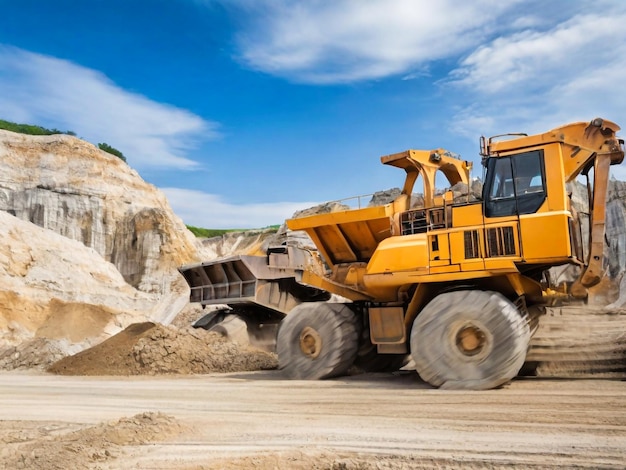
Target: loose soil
<point>581,342</point>
<point>149,348</point>
<point>54,446</point>
<point>185,416</point>
<point>260,420</point>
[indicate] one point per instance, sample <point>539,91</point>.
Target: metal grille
<point>472,248</point>
<point>413,222</point>
<point>424,220</point>
<point>500,241</point>
<point>437,218</point>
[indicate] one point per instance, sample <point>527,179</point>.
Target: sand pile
<point>53,449</point>
<point>149,349</point>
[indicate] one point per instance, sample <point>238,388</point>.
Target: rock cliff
<point>66,185</point>
<point>84,233</point>
<point>58,288</point>
<point>615,249</point>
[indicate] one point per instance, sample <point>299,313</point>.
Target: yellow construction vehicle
<point>456,283</point>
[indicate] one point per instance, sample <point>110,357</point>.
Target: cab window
<point>514,184</point>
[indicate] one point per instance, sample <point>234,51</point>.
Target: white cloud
<point>525,66</point>
<point>343,41</point>
<point>201,209</point>
<point>534,80</point>
<point>536,58</point>
<point>44,90</point>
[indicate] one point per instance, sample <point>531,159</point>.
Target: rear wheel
<point>317,340</point>
<point>472,340</point>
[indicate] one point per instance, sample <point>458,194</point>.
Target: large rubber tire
<point>317,340</point>
<point>494,354</point>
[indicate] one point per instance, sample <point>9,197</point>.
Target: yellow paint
<point>468,215</point>
<point>545,235</point>
<point>400,254</point>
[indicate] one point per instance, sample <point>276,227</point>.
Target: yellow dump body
<point>350,236</point>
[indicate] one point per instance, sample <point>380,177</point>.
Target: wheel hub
<point>470,340</point>
<point>310,342</point>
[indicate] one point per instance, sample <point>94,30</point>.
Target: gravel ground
<point>260,420</point>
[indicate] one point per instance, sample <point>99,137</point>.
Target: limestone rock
<point>57,288</point>
<point>324,208</point>
<point>89,247</point>
<point>234,243</point>
<point>381,198</point>
<point>66,185</point>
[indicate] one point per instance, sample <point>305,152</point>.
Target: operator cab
<point>514,184</point>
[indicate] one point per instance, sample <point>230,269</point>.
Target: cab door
<point>515,190</point>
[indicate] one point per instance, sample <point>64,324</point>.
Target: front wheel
<point>317,340</point>
<point>473,340</point>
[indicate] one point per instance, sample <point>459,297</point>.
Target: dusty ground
<point>133,401</point>
<point>260,420</point>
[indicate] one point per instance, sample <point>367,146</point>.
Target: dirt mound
<point>52,449</point>
<point>149,348</point>
<point>74,321</point>
<point>191,313</point>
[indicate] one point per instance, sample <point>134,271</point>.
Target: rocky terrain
<point>91,248</point>
<point>70,187</point>
<point>231,243</point>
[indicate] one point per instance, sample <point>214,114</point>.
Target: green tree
<point>38,130</point>
<point>207,232</point>
<point>113,151</point>
<point>30,129</point>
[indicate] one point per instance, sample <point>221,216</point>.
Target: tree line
<point>31,129</point>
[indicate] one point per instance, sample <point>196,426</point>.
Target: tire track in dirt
<point>368,421</point>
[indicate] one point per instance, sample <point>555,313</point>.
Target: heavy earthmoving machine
<point>459,284</point>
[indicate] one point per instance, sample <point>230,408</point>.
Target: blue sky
<point>244,111</point>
